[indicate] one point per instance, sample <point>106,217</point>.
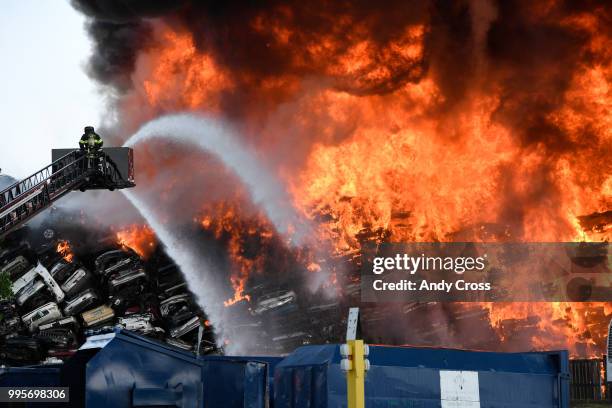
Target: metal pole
<point>355,377</point>
<point>354,362</point>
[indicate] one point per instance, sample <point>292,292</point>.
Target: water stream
<point>266,190</point>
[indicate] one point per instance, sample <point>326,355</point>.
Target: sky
<point>46,96</point>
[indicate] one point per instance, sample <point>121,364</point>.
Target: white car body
<point>25,280</point>
<point>29,291</point>
<point>69,322</point>
<point>274,302</point>
<point>19,263</point>
<point>139,322</point>
<point>46,313</point>
<point>50,282</point>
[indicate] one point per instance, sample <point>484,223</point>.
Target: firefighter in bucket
<point>90,144</point>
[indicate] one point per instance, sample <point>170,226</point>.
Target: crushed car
<point>81,302</point>
<point>278,302</point>
<point>97,316</point>
<point>45,313</point>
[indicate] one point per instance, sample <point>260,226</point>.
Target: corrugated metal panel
<point>587,380</point>
<point>250,378</point>
<point>235,382</point>
<point>311,377</point>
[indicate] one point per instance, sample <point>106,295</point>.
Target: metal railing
<point>21,188</point>
<point>26,198</point>
<point>76,170</point>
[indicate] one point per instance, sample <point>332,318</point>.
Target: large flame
<point>381,150</point>
<point>140,238</point>
<point>239,236</point>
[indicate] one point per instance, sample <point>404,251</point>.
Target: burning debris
<point>63,248</point>
<point>140,239</point>
<point>419,121</point>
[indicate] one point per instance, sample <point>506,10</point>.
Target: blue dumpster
<point>133,371</point>
<point>123,370</point>
<point>427,378</point>
<point>73,375</point>
<point>236,381</point>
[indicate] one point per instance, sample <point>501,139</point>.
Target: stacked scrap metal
<point>283,318</point>
<point>56,303</point>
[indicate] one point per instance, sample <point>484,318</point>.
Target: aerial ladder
<point>73,170</point>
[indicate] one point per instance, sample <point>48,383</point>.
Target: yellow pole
<point>355,377</point>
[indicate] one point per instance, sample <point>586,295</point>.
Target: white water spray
<point>197,270</point>
<point>266,191</point>
<point>219,139</point>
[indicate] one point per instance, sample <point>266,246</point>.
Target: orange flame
<point>578,327</point>
<point>222,219</point>
<point>238,285</point>
<point>65,250</point>
<point>401,164</point>
<point>140,238</point>
<point>194,78</point>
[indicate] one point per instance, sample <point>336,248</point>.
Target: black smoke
<point>531,51</point>
<point>227,31</point>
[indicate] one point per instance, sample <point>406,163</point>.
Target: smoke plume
<point>387,121</point>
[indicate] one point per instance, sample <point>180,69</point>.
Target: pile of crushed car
<point>55,304</point>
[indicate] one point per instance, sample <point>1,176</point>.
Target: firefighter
<point>90,141</point>
<point>90,144</point>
